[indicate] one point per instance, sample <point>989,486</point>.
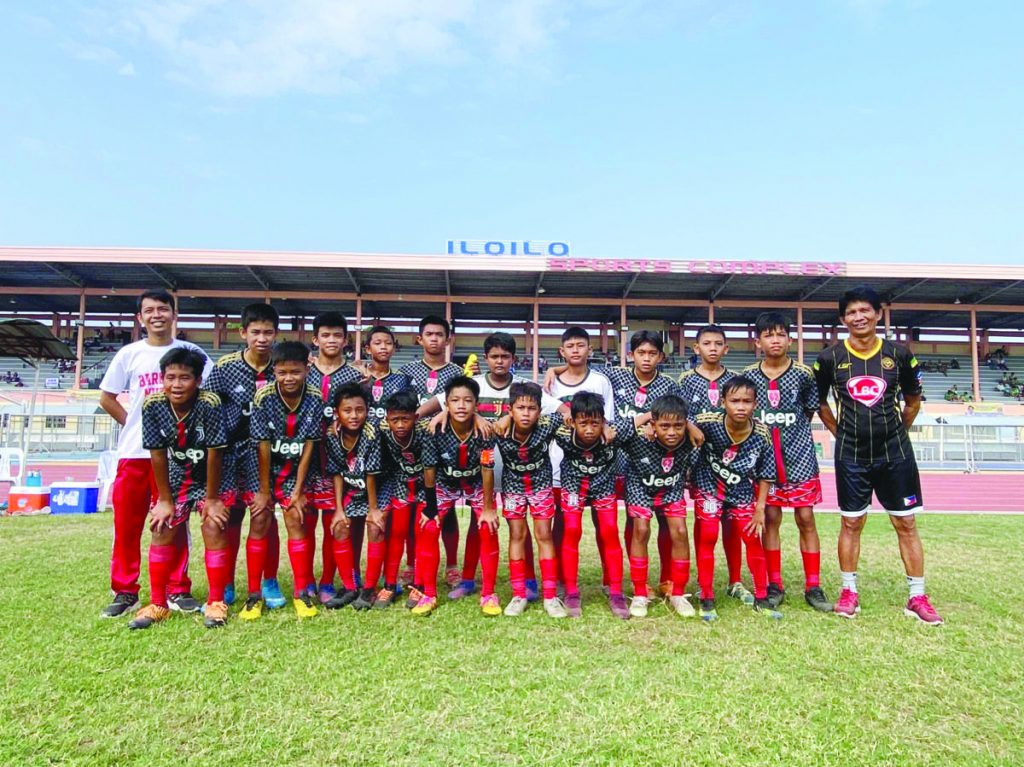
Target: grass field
<point>459,689</point>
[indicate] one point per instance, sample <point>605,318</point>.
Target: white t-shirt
<point>563,392</point>
<point>136,369</point>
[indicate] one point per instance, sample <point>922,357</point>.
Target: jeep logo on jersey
<point>287,448</point>
<point>776,419</point>
<point>774,397</point>
<point>328,412</point>
<point>652,481</point>
<point>192,455</point>
<point>723,472</point>
<point>867,390</point>
<point>666,463</point>
<point>357,482</point>
<point>729,454</point>
<point>461,473</point>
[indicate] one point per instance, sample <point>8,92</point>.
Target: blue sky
<point>815,129</point>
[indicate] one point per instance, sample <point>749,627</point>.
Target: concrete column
<point>80,353</point>
<point>800,334</point>
<point>535,338</point>
<point>975,369</point>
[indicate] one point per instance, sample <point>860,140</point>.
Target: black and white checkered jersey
<point>786,405</point>
<point>527,464</point>
<point>726,469</point>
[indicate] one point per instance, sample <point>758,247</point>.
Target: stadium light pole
<point>80,348</point>
<point>975,371</point>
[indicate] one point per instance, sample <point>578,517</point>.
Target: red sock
<point>812,569</point>
<point>309,525</point>
<point>273,560</point>
<point>595,517</point>
<point>471,556</point>
<point>327,551</point>
<point>161,562</point>
<point>218,573</point>
<point>664,551</point>
<point>517,577</point>
<point>234,535</point>
<point>756,564</point>
<point>570,558</point>
<point>255,560</point>
<point>708,532</point>
<point>428,557</point>
<point>638,574</point>
<point>488,560</point>
<point>343,557</point>
<point>608,527</point>
<point>300,555</point>
<point>396,539</point>
<point>375,551</point>
<point>680,576</point>
<point>773,561</point>
<point>531,569</point>
<point>450,536</point>
<point>177,580</point>
<point>732,542</point>
<point>549,577</point>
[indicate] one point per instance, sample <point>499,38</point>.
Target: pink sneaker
<point>921,608</point>
<point>847,605</point>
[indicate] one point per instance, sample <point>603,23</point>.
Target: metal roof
<point>30,340</point>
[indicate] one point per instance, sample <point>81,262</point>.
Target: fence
<point>60,434</point>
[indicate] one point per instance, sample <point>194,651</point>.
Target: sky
<point>838,130</point>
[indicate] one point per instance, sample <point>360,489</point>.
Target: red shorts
<point>540,504</point>
<point>620,489</point>
<point>573,503</point>
<point>674,509</point>
<point>281,500</point>
<point>448,497</point>
<point>794,494</point>
<point>711,509</point>
<point>183,510</point>
<point>320,493</point>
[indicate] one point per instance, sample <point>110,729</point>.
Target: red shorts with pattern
<point>320,493</point>
<point>573,503</point>
<point>709,508</point>
<point>184,509</point>
<point>796,494</point>
<point>449,497</point>
<point>540,504</point>
<point>674,509</point>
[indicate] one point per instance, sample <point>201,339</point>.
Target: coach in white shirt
<point>136,369</point>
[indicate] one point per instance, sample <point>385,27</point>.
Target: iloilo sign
<point>632,265</point>
<point>507,248</point>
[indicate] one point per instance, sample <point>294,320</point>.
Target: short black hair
<point>575,332</point>
<point>712,328</point>
<point>737,383</point>
<point>863,293</point>
<point>500,341</point>
<point>669,405</point>
<point>767,321</point>
<point>524,390</point>
<point>329,320</point>
<point>641,337</point>
<point>351,390</point>
<point>587,403</point>
<point>404,401</point>
<point>259,312</point>
<point>434,319</point>
<point>157,295</point>
<point>378,329</point>
<point>186,357</point>
<point>463,382</point>
<point>289,351</point>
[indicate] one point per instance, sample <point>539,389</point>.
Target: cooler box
<point>74,497</point>
<point>28,500</point>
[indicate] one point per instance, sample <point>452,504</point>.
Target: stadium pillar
<point>622,334</point>
<point>974,356</point>
<point>451,338</point>
<point>711,312</point>
<point>800,334</point>
<point>216,333</point>
<point>887,312</point>
<point>359,329</point>
<point>136,328</point>
<point>80,348</point>
<point>55,326</point>
<point>535,338</point>
<point>604,338</point>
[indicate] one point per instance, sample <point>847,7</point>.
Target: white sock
<point>916,586</point>
<point>849,581</point>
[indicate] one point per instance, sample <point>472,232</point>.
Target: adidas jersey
<point>866,389</point>
<point>727,470</point>
<point>589,472</point>
<point>382,388</point>
<point>427,381</point>
<point>404,464</point>
<point>593,382</point>
<point>187,440</point>
<point>655,475</point>
<point>527,464</point>
<point>702,395</point>
<point>786,404</point>
<point>632,397</point>
<point>327,384</point>
<point>459,461</point>
<point>353,464</point>
<point>236,382</point>
<point>287,430</point>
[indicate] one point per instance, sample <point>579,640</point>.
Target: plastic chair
<point>9,456</point>
<point>106,471</point>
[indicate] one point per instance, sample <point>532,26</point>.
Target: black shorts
<point>896,484</point>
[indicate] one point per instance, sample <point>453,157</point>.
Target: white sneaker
<point>555,609</point>
<point>516,607</point>
<point>638,607</point>
<point>682,606</point>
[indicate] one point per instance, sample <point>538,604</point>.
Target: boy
<point>787,399</point>
<point>382,382</point>
<point>465,472</point>
<point>236,378</point>
<point>428,377</point>
<point>353,463</point>
<point>285,426</point>
<point>524,441</point>
<point>655,485</point>
<point>327,374</point>
<point>588,478</point>
<point>407,452</point>
<point>735,467</point>
<point>701,389</point>
<point>136,369</point>
<point>183,428</point>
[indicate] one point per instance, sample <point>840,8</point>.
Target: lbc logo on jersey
<point>867,390</point>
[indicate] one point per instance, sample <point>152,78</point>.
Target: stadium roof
<point>30,340</point>
<point>53,279</point>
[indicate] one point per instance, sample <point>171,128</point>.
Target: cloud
<point>127,70</point>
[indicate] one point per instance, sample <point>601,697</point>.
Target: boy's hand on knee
<point>161,516</point>
<point>340,525</point>
<point>377,518</point>
<point>214,511</point>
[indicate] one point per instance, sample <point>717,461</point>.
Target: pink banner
<point>631,265</point>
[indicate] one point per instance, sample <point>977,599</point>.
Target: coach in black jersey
<point>867,375</point>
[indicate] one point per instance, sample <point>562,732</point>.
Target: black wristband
<point>430,511</point>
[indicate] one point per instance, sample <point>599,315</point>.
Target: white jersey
<point>563,392</point>
<point>136,369</point>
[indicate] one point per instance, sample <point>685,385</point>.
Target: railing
<point>49,433</point>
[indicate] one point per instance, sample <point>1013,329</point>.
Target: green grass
<point>459,689</point>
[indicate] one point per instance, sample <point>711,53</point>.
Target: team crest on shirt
<point>432,381</point>
<point>666,464</point>
<point>408,456</point>
<point>261,384</point>
<point>200,433</point>
<point>867,390</point>
<point>377,390</point>
<point>588,457</point>
<point>774,397</point>
<point>729,454</point>
<point>353,461</point>
<point>713,395</point>
<point>640,398</point>
<point>888,363</point>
